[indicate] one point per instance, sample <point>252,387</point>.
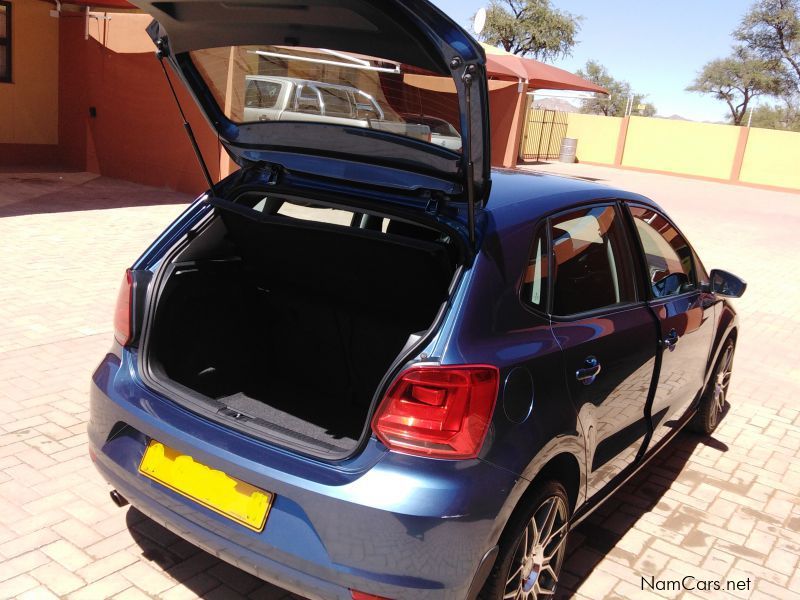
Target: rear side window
<point>670,262</point>
<point>590,266</point>
<point>534,283</point>
<point>338,102</point>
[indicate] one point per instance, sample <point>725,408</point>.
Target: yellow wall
<point>597,136</point>
<point>772,158</point>
<point>29,105</point>
<point>681,147</point>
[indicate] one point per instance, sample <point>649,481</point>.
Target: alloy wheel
<point>537,560</point>
<point>722,379</point>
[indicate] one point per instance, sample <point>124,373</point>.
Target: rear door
<point>607,335</point>
<point>402,56</point>
<point>685,316</point>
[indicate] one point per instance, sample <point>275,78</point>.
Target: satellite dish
<point>480,21</point>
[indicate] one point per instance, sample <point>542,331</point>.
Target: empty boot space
<point>276,334</point>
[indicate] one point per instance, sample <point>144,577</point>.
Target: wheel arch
<point>563,467</point>
<point>727,328</point>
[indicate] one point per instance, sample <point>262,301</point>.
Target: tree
<point>771,29</point>
<point>530,28</point>
<point>738,79</point>
<point>785,117</point>
<point>619,93</point>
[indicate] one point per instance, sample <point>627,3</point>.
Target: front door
<point>608,336</point>
<point>685,317</point>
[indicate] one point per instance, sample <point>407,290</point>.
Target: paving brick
<point>22,564</point>
<point>105,566</point>
<point>16,586</point>
<point>67,555</point>
<point>106,587</point>
<point>27,542</point>
<point>146,577</point>
<point>39,593</point>
<point>56,578</point>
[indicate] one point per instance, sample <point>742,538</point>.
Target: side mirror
<point>727,284</point>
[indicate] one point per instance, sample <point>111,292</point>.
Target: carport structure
<point>503,68</point>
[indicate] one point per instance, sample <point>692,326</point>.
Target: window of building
<point>669,258</point>
<point>591,268</point>
<point>5,42</point>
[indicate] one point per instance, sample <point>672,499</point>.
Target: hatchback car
<point>368,366</point>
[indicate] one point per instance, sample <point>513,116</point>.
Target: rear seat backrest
<point>368,268</point>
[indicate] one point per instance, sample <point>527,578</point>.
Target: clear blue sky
<point>657,47</point>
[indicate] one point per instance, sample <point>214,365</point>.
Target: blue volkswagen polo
<point>365,365</point>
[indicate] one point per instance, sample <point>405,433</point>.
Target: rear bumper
<point>384,523</point>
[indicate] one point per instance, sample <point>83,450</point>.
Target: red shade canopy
<point>540,76</point>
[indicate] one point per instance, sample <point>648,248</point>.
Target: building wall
<point>680,147</point>
<point>751,156</point>
<point>136,132</point>
<point>29,104</point>
<point>772,158</point>
<point>596,135</point>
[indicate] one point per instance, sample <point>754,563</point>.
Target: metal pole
<point>750,118</point>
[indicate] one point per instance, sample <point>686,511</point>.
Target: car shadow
<point>599,535</point>
<point>26,193</point>
<point>198,571</point>
<point>590,542</point>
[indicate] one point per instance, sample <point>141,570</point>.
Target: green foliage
<point>619,92</point>
<point>738,79</point>
<point>530,28</point>
<point>785,117</point>
<point>771,29</point>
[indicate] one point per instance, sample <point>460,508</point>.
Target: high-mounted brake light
<point>122,313</point>
<point>438,411</point>
<point>356,595</point>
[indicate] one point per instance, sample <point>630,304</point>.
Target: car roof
<point>521,195</point>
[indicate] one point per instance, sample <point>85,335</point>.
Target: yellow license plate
<point>226,495</point>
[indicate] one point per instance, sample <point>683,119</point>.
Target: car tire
<point>712,403</point>
<point>532,547</point>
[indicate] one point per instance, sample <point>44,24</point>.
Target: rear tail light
<point>438,411</point>
<point>356,595</point>
<point>122,313</point>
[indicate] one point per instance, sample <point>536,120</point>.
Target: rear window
<point>329,86</point>
<point>591,266</point>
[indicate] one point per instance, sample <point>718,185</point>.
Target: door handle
<point>669,341</point>
<point>589,372</point>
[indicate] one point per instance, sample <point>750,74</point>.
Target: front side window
<point>669,257</point>
<point>5,42</point>
<point>590,267</point>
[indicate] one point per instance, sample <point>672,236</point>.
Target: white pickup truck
<point>269,98</point>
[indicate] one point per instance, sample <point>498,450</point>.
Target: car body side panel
<point>611,409</point>
<point>683,365</point>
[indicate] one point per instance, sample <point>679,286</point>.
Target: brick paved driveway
<point>722,508</point>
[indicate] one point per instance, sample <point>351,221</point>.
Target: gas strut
<point>187,127</point>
